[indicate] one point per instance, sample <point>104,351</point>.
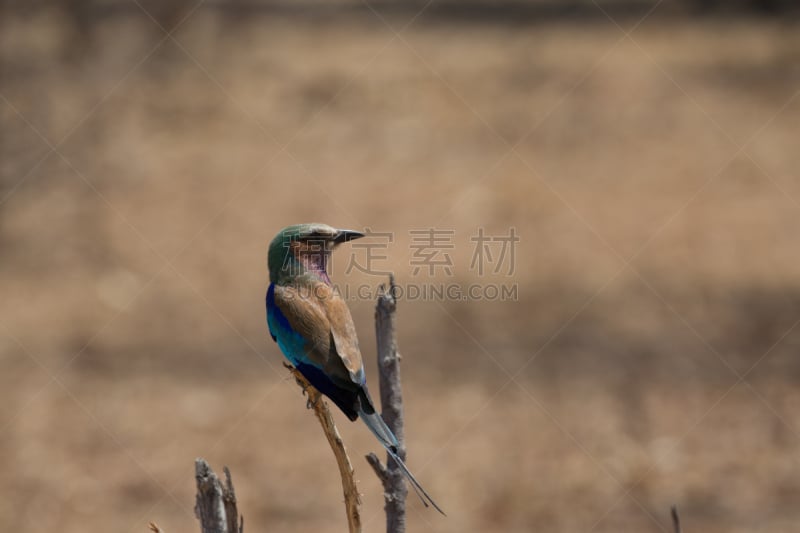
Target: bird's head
<point>302,251</point>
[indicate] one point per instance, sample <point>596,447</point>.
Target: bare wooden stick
<point>215,505</point>
<point>229,500</point>
<point>395,490</point>
<point>676,520</point>
<point>352,499</point>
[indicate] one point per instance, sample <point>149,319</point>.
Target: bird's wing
<point>315,315</point>
<point>343,332</point>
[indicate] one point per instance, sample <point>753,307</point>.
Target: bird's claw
<point>312,403</point>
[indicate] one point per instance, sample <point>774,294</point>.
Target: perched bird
<point>313,328</point>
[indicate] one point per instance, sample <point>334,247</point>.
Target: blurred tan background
<point>645,152</point>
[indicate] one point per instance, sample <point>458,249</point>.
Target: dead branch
<point>215,505</point>
<point>352,499</point>
<point>676,520</point>
<point>395,490</point>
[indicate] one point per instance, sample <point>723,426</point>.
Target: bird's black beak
<point>346,235</point>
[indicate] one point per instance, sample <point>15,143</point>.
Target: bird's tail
<point>385,436</point>
<point>379,428</point>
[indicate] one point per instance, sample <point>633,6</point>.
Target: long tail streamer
<point>385,436</point>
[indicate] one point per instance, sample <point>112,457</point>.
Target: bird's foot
<point>313,401</point>
<point>298,377</point>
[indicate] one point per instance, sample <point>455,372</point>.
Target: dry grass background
<point>658,263</point>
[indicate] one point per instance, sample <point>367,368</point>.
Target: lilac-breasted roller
<point>313,328</point>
